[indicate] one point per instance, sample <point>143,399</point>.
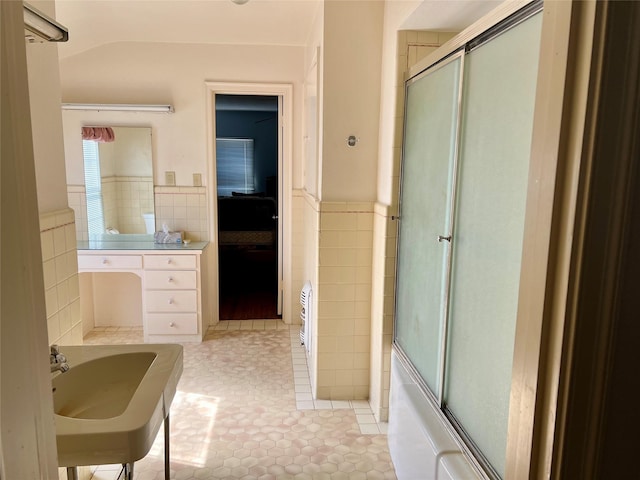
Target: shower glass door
<point>465,175</point>
<point>425,218</point>
<point>495,144</point>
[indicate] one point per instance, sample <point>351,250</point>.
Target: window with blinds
<point>93,185</point>
<point>235,166</point>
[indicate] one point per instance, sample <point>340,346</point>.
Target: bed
<point>246,220</point>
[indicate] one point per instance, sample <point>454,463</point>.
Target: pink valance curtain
<point>98,134</point>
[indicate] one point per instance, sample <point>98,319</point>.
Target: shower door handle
<point>442,238</point>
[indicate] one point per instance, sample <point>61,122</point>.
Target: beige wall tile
<point>328,345</point>
<point>362,292</point>
<point>343,393</point>
<point>361,376</point>
<point>51,301</point>
<point>337,221</point>
<point>53,326</point>
<point>344,360</point>
<point>363,257</point>
<point>339,293</point>
<point>47,247</point>
<point>347,256</point>
<point>329,256</point>
<point>60,269</point>
<point>361,360</point>
<point>348,239</point>
<point>337,275</point>
<point>326,378</point>
<point>345,344</point>
<point>344,377</point>
<point>49,273</point>
<point>361,344</point>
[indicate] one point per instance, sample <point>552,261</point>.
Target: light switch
<point>170,178</point>
<point>197,179</point>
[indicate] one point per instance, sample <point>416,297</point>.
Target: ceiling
<point>92,23</point>
<point>448,15</point>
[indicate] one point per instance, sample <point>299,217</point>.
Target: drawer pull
<point>171,324</point>
<point>171,301</point>
<point>169,262</point>
<point>105,261</point>
<point>170,280</point>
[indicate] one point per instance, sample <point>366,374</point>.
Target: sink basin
<point>110,405</point>
<point>100,388</point>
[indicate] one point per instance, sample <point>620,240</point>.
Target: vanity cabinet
<point>172,283</point>
<point>171,294</point>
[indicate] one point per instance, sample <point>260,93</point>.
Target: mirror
<point>119,183</point>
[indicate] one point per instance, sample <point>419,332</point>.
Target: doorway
<point>247,179</point>
<point>284,93</point>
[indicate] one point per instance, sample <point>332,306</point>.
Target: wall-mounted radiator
<point>305,315</point>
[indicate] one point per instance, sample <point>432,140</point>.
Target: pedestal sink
<point>109,406</point>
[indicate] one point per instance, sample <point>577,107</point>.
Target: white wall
<point>392,78</point>
<point>174,74</point>
<point>27,445</point>
<point>46,123</point>
<point>129,155</point>
<point>313,100</point>
<point>351,94</point>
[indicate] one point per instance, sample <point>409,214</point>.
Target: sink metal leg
<point>127,468</point>
<point>127,472</point>
<point>167,468</point>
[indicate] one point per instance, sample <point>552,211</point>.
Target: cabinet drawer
<point>170,280</point>
<point>172,324</point>
<point>171,301</point>
<point>170,262</point>
<point>106,262</point>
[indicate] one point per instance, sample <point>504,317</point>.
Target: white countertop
<point>139,245</point>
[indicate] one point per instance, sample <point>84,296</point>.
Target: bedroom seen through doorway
<point>247,177</point>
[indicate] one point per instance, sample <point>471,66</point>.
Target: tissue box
<point>168,237</point>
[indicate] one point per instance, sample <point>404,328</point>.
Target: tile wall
<point>110,203</point>
<point>77,198</point>
<point>310,241</point>
<point>124,200</point>
<point>344,300</point>
<point>382,308</point>
<point>297,253</point>
<point>60,267</point>
<point>182,208</point>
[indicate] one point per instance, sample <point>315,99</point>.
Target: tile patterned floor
<point>243,410</point>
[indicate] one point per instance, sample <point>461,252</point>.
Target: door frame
<point>284,92</point>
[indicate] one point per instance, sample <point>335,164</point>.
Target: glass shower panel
<point>499,94</point>
<point>429,147</point>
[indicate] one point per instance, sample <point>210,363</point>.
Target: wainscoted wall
<point>344,300</point>
<point>60,266</point>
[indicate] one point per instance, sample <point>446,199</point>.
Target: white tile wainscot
<point>174,308</point>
